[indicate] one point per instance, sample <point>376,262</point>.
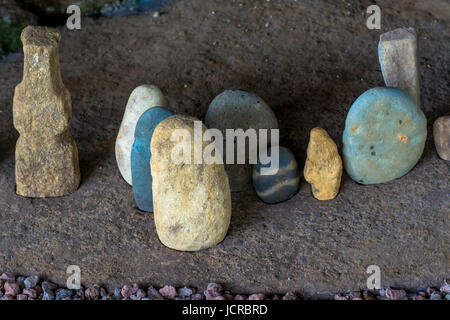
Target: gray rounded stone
<point>235,109</point>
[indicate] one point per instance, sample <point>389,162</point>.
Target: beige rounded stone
<point>141,99</point>
<point>441,134</point>
<point>323,168</point>
<point>192,202</point>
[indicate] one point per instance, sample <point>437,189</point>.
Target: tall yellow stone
<point>323,168</point>
<point>192,200</point>
<point>46,154</point>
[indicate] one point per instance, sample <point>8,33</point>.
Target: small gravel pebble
<point>140,294</point>
<point>168,292</point>
<point>117,293</point>
<point>153,294</point>
<point>185,292</point>
<point>213,290</point>
<point>22,297</point>
<point>355,295</point>
<point>62,294</point>
<point>197,296</point>
<point>31,293</point>
<point>49,290</point>
<point>103,293</point>
<point>396,294</point>
<point>8,277</point>
<point>92,293</point>
<point>228,296</point>
<point>11,289</point>
<point>367,295</point>
<point>31,282</point>
<point>435,296</point>
<point>257,296</point>
<point>290,296</point>
<point>445,288</point>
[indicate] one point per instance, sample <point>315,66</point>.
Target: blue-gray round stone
<point>283,184</point>
<point>141,155</point>
<point>384,136</point>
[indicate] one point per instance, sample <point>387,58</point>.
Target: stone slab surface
<point>309,64</point>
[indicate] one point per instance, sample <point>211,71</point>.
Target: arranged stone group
<point>384,138</point>
<point>46,154</point>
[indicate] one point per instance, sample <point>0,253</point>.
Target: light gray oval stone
<point>141,99</point>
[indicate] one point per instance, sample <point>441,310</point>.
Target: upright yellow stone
<point>323,168</point>
<point>192,201</point>
<point>46,154</point>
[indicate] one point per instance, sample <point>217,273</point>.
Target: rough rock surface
<point>141,155</point>
<point>236,109</point>
<point>441,134</point>
<point>46,154</point>
<point>301,245</point>
<point>384,137</point>
<point>141,99</point>
<point>323,167</point>
<point>282,185</point>
<point>397,51</point>
<point>192,202</point>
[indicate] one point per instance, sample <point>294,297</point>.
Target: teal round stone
<point>384,136</point>
<point>141,155</point>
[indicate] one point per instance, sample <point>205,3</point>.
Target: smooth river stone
<point>141,155</point>
<point>192,201</point>
<point>441,133</point>
<point>323,167</point>
<point>46,159</point>
<point>141,99</point>
<point>281,186</point>
<point>234,110</point>
<point>397,52</point>
<point>384,136</point>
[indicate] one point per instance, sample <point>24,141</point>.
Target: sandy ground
<point>309,60</point>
